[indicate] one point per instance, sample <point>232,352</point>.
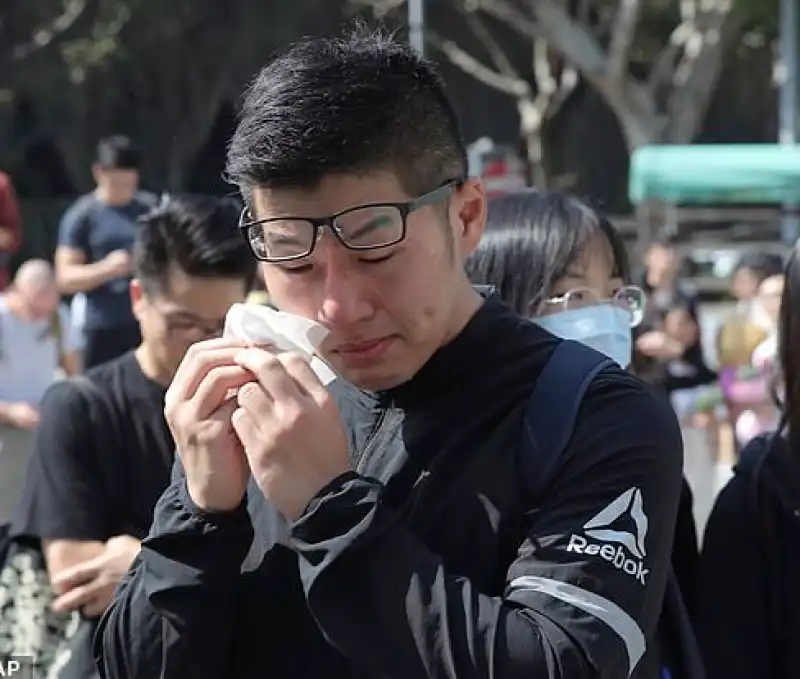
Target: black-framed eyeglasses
<point>187,326</point>
<point>364,227</point>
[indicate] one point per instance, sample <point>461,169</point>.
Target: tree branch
<point>623,31</point>
<point>566,86</point>
<point>380,8</point>
<point>700,67</point>
<point>550,20</point>
<point>496,53</point>
<point>43,37</point>
<point>664,65</point>
<point>459,57</point>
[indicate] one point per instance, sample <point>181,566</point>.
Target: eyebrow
<point>183,313</point>
<point>574,276</point>
<point>372,225</point>
<point>283,238</point>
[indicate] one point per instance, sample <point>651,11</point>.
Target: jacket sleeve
<point>581,600</point>
<point>732,622</point>
<point>160,624</point>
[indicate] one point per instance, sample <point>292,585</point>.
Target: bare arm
<point>7,239</point>
<point>70,363</point>
<point>18,414</point>
<point>75,275</point>
<point>10,219</point>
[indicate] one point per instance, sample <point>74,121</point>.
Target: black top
<point>101,459</point>
<point>424,562</point>
<point>96,229</point>
<point>748,598</point>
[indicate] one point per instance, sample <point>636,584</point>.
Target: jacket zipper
<point>390,418</point>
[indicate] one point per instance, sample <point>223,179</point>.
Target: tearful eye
<point>303,268</point>
<point>377,260</point>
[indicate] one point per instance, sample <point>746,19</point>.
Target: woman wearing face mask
<point>551,257</point>
<point>749,600</point>
<point>554,259</point>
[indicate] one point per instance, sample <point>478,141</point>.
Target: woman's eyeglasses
<point>629,297</point>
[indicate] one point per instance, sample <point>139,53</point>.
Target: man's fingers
<point>199,359</point>
<point>78,575</point>
<point>245,427</point>
<point>300,369</point>
<point>214,388</point>
<point>80,596</point>
<point>271,373</point>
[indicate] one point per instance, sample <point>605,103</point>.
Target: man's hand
<point>20,415</point>
<point>198,407</point>
<point>118,264</point>
<point>657,344</point>
<point>89,586</point>
<point>290,428</point>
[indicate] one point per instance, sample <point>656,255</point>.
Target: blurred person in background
<point>748,327</point>
<point>10,227</point>
<point>102,457</point>
<point>259,293</point>
<point>94,250</point>
<point>672,360</point>
<point>749,598</point>
<point>35,341</point>
<point>764,415</point>
<point>554,259</point>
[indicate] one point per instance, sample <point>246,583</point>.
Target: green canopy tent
<point>715,174</point>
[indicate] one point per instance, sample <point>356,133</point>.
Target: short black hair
<point>762,265</point>
<point>194,233</point>
<point>118,153</point>
<point>356,103</point>
<point>531,239</point>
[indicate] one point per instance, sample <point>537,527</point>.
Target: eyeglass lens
<point>361,229</point>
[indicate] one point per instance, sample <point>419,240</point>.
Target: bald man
<point>35,342</point>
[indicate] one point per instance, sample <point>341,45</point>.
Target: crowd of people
<point>492,486</point>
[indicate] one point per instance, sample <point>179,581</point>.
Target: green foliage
<point>100,42</point>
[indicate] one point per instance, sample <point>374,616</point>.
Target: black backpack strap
<point>552,412</point>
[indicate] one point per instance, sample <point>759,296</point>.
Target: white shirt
<point>29,355</point>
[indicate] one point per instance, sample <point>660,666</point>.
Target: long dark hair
<point>531,239</point>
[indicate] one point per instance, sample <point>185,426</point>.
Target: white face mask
<point>603,327</point>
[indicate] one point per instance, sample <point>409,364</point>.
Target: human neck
<point>104,197</point>
<point>151,368</point>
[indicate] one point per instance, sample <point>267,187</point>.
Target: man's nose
<point>346,292</point>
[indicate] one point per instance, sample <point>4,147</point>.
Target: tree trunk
<point>531,124</point>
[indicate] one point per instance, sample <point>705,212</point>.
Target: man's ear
<point>137,295</point>
<point>468,214</point>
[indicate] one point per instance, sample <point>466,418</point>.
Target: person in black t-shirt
<point>103,452</point>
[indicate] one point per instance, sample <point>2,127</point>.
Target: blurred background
<point>569,88</point>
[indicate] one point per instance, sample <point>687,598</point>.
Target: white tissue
<point>286,332</point>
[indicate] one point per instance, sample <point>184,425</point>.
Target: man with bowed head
<point>380,529</point>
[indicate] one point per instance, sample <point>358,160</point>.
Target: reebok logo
<point>623,549</point>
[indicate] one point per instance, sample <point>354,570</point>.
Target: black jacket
<point>749,601</point>
<point>425,562</point>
